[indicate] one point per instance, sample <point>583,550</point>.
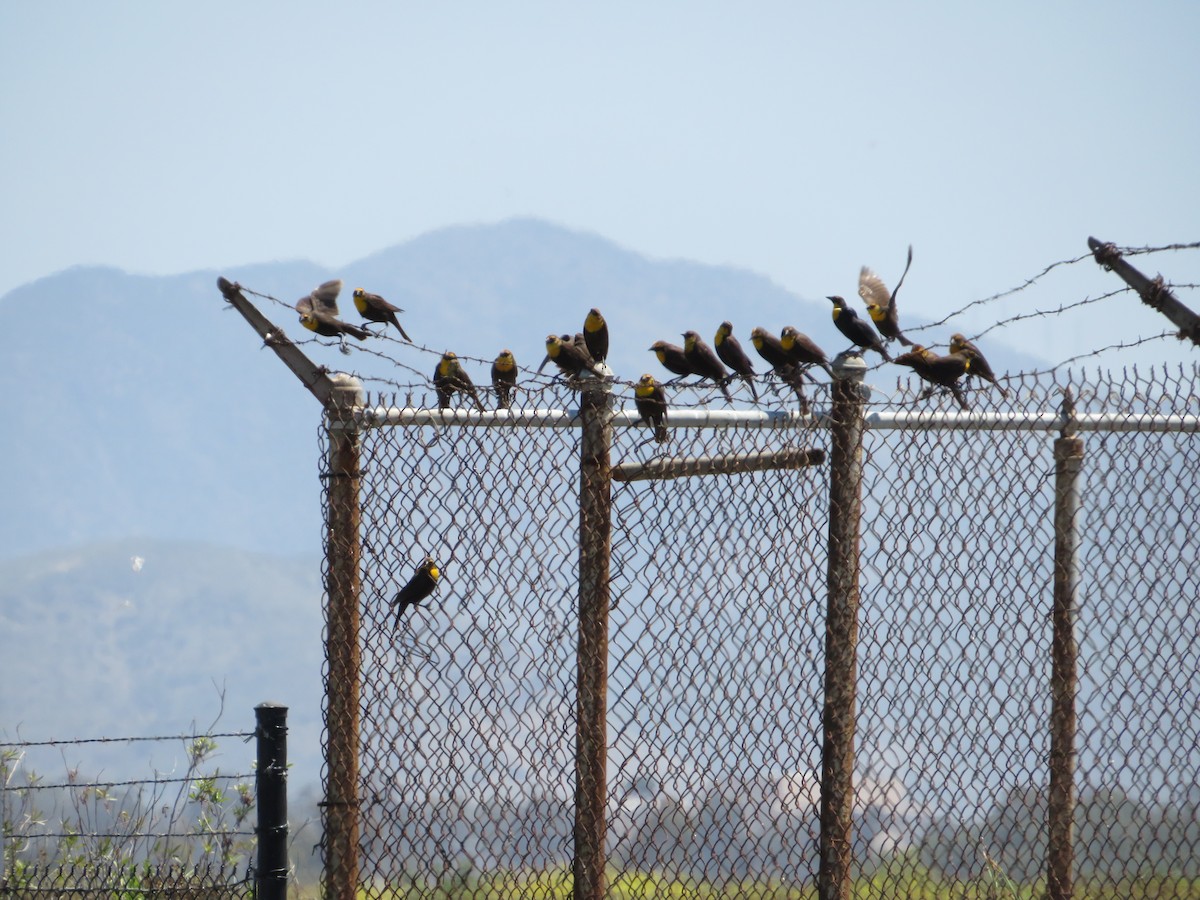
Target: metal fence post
<point>270,788</point>
<point>841,628</point>
<point>342,588</point>
<point>1068,459</point>
<point>591,741</point>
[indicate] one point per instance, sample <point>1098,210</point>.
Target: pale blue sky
<point>797,140</point>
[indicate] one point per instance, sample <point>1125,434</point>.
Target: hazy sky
<point>797,140</point>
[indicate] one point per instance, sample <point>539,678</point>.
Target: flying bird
<point>730,351</point>
<point>449,378</point>
<point>705,362</point>
<point>651,403</point>
<point>419,587</point>
<point>881,304</point>
<point>319,311</point>
<point>979,364</point>
<point>504,378</point>
<point>374,308</point>
<point>855,329</point>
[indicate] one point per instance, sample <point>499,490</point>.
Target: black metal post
<point>270,787</point>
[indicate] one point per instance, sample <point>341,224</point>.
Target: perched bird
<point>575,340</point>
<point>375,309</point>
<point>570,358</point>
<point>771,349</point>
<point>319,310</point>
<point>979,365</point>
<point>705,363</point>
<point>803,350</point>
<point>943,371</point>
<point>418,588</point>
<point>855,329</point>
<point>449,378</point>
<point>595,335</point>
<point>651,403</point>
<point>881,305</point>
<point>730,351</point>
<point>504,378</point>
<point>673,358</point>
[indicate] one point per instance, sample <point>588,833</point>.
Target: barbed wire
<point>246,735</point>
<point>133,783</point>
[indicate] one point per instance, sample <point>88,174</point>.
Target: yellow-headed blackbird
<point>595,335</point>
<point>418,588</point>
<point>943,371</point>
<point>705,363</point>
<point>729,349</point>
<point>568,356</point>
<point>771,349</point>
<point>318,312</point>
<point>802,349</point>
<point>979,365</point>
<point>673,358</point>
<point>504,378</point>
<point>375,309</point>
<point>881,305</point>
<point>450,378</point>
<point>651,403</point>
<point>855,329</point>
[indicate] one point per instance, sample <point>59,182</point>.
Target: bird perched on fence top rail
<point>979,364</point>
<point>730,351</point>
<point>802,349</point>
<point>672,358</point>
<point>595,335</point>
<point>570,357</point>
<point>319,311</point>
<point>374,308</point>
<point>504,378</point>
<point>943,371</point>
<point>419,587</point>
<point>705,363</point>
<point>651,402</point>
<point>449,378</point>
<point>771,349</point>
<point>855,329</point>
<point>881,305</point>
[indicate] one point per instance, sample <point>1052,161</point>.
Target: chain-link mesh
<point>716,657</point>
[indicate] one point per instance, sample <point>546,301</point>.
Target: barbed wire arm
<point>312,376</point>
<point>1152,290</point>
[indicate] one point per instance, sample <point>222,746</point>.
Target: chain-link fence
<point>465,752</point>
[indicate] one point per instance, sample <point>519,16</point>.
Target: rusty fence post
<point>591,735</point>
<point>1060,859</point>
<point>342,687</point>
<point>841,628</point>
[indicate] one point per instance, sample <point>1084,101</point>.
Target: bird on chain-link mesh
<point>705,362</point>
<point>943,371</point>
<point>673,359</point>
<point>419,587</point>
<point>570,357</point>
<point>771,349</point>
<point>803,350</point>
<point>595,335</point>
<point>857,331</point>
<point>449,378</point>
<point>651,402</point>
<point>881,304</point>
<point>730,351</point>
<point>504,378</point>
<point>319,311</point>
<point>374,308</point>
<point>979,364</point>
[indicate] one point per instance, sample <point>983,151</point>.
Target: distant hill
<point>144,406</point>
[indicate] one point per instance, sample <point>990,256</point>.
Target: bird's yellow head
<point>360,299</point>
<point>449,362</point>
<point>659,349</point>
<point>645,386</point>
<point>594,321</point>
<point>430,567</point>
<point>505,361</point>
<point>309,321</point>
<point>724,330</point>
<point>838,305</point>
<point>554,345</point>
<point>877,313</point>
<point>358,293</point>
<point>757,336</point>
<point>689,340</point>
<point>788,336</point>
<point>957,342</point>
